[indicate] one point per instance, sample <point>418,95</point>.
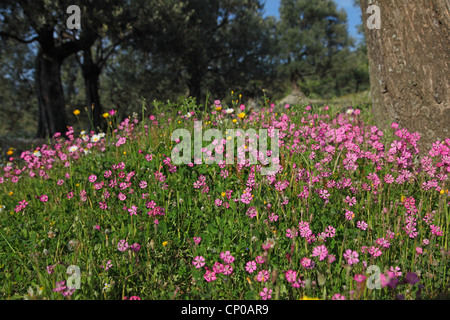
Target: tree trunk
<point>294,82</point>
<point>52,113</point>
<point>91,74</point>
<point>409,60</point>
<point>194,85</point>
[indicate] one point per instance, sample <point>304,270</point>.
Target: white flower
<point>2,207</point>
<point>85,138</point>
<point>37,153</point>
<point>107,286</point>
<point>83,133</point>
<point>73,148</point>
<point>229,110</point>
<point>95,138</point>
<point>86,151</point>
<point>188,115</point>
<point>101,134</point>
<point>349,111</point>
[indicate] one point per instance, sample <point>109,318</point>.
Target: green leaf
<point>250,295</point>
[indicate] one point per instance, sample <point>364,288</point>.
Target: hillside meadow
<point>351,212</point>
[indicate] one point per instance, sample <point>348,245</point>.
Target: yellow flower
<point>234,120</point>
<point>106,115</point>
<point>9,152</point>
<point>240,96</point>
<point>241,115</point>
<point>403,198</point>
<point>10,193</point>
<point>308,298</point>
<point>442,191</point>
<point>164,243</point>
<point>223,194</point>
<point>219,108</point>
<point>124,152</point>
<point>76,112</point>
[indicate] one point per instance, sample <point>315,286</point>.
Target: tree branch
<point>11,36</point>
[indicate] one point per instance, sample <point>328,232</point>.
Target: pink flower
<point>227,269</point>
<point>290,276</point>
<point>97,227</point>
<point>209,276</point>
<point>197,240</point>
<point>375,251</point>
<point>143,184</point>
<point>134,298</point>
<point>227,257</point>
<point>108,265</point>
<point>92,178</point>
<point>218,267</point>
<point>338,296</point>
<point>362,225</point>
<point>252,212</point>
<point>50,269</point>
<point>396,272</point>
<point>60,286</point>
<point>331,258</point>
<point>122,245</point>
<point>419,250</point>
<point>198,262</point>
<point>351,257</point>
<point>321,252</point>
<point>43,198</point>
<point>263,276</point>
<point>250,266</point>
<point>259,259</point>
<point>266,293</point>
<point>349,215</point>
<point>359,278</point>
<point>135,247</point>
<point>133,210</point>
<point>306,263</point>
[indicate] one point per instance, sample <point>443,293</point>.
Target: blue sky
<point>353,13</point>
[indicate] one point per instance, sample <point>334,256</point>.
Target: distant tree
<point>45,22</point>
<point>311,35</point>
<point>214,45</point>
<point>18,105</point>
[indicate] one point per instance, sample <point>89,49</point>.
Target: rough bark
<point>409,66</point>
<point>91,74</point>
